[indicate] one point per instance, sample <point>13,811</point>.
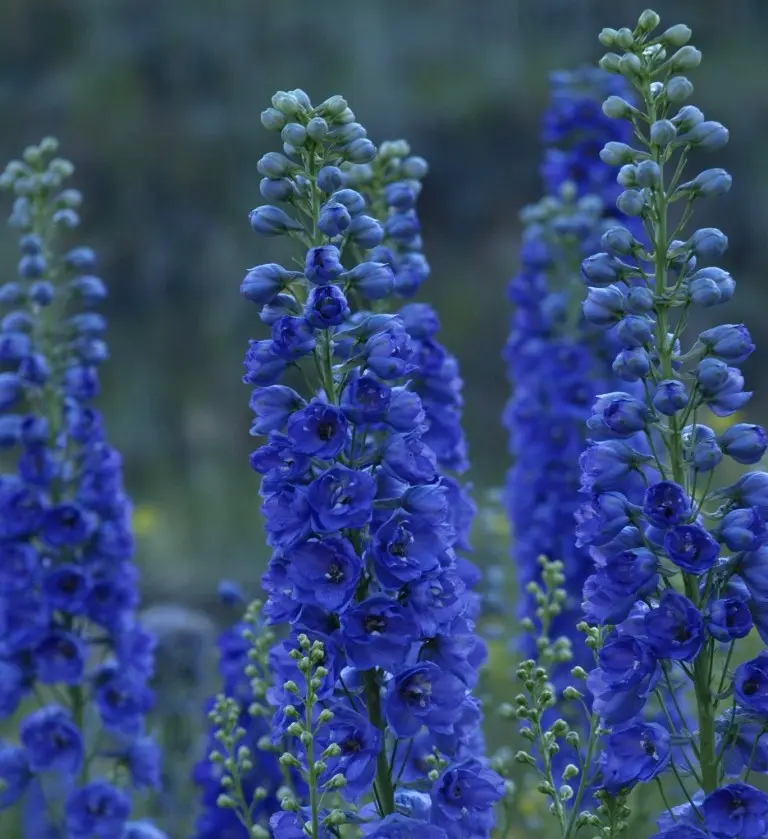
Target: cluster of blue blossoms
<point>557,360</point>
<point>74,661</point>
<point>679,573</point>
<point>371,691</point>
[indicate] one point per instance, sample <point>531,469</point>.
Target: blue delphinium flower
<point>363,521</point>
<point>677,572</point>
<point>69,590</point>
<point>558,361</point>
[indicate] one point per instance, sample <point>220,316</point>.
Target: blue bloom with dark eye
<point>366,400</point>
<point>97,809</point>
<point>121,699</point>
<point>405,549</point>
<point>436,601</point>
<point>378,632</point>
<point>691,548</point>
<point>339,498</point>
<point>666,504</point>
<point>463,798</point>
<point>323,264</point>
<point>744,442</point>
<point>674,628</point>
<point>60,657</point>
<point>286,516</point>
<point>423,695</point>
<point>319,430</point>
<point>51,741</point>
<point>19,566</point>
<point>750,683</point>
<point>626,674</point>
<point>728,619</point>
<point>635,754</point>
<point>279,461</point>
<point>610,593</point>
<point>324,572</point>
<point>15,775</point>
<point>326,306</point>
<point>359,742</point>
<point>292,338</point>
<point>736,811</point>
<point>65,525</point>
<point>601,519</point>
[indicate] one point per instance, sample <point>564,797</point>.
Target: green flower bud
<point>571,693</point>
<point>663,132</point>
<point>687,118</point>
<point>337,781</point>
<point>579,673</point>
<point>618,154</point>
<point>259,832</point>
<point>630,66</point>
<point>615,107</point>
<point>286,103</point>
<point>326,715</point>
<point>627,176</point>
<point>631,202</point>
<point>334,106</point>
<point>610,63</point>
<point>565,793</point>
<point>226,802</point>
<point>524,757</point>
<point>625,39</point>
<point>570,771</point>
<point>648,173</point>
<point>678,89</point>
<point>545,788</point>
<point>676,36</point>
<point>49,145</point>
<point>572,739</point>
<point>306,738</point>
<point>317,128</point>
<point>686,58</point>
<point>607,37</point>
<point>648,21</point>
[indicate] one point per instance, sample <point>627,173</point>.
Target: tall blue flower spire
<point>558,361</point>
<point>372,687</point>
<point>68,587</point>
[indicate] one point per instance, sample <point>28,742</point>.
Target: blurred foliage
<point>158,102</point>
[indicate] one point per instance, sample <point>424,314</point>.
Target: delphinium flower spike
<point>69,639</point>
<point>557,362</point>
<point>362,524</point>
<point>679,577</point>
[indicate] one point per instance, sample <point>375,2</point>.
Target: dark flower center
<point>335,573</point>
<point>682,633</point>
<point>374,624</point>
<point>325,430</point>
<point>649,747</point>
<point>750,687</point>
<point>351,745</point>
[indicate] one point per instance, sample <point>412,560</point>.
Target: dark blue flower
<point>122,700</point>
<point>736,811</point>
<point>743,530</point>
<point>404,549</point>
<point>397,826</point>
<point>423,695</point>
<point>666,504</point>
<point>691,548</point>
<point>750,683</point>
<point>674,628</point>
<point>410,459</point>
<point>618,415</point>
<point>379,632</point>
<point>366,400</point>
<point>319,430</point>
<point>744,442</point>
<point>272,406</point>
<point>728,619</point>
<point>463,799</point>
<point>292,337</point>
<point>286,514</point>
<point>60,657</point>
<point>360,743</point>
<point>325,572</point>
<point>52,741</point>
<point>326,306</point>
<point>729,342</point>
<point>323,265</point>
<point>389,353</point>
<point>340,498</point>
<point>627,672</point>
<point>15,775</point>
<point>97,810</point>
<point>635,754</point>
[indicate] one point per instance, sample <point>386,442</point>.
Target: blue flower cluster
<point>679,575</point>
<point>557,360</point>
<point>69,639</point>
<point>363,523</point>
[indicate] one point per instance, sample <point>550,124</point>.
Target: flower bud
<point>635,331</point>
<point>678,89</point>
<point>663,132</point>
<point>276,189</point>
<point>334,106</point>
<point>686,58</point>
<point>286,103</point>
<point>639,300</point>
<point>730,342</point>
<point>646,23</point>
<point>361,150</point>
<point>294,134</point>
<point>618,154</point>
<point>604,306</point>
<point>610,63</point>
<point>330,179</point>
<point>274,165</point>
<point>627,176</point>
<point>415,167</point>
<point>602,269</point>
<point>744,442</point>
<point>676,36</point>
<point>711,286</point>
<point>607,37</point>
<point>708,243</point>
<point>366,232</point>
<point>631,202</point>
<point>272,221</point>
<point>618,241</point>
<point>264,282</point>
<point>708,184</point>
<point>708,135</point>
<point>687,117</point>
<point>632,365</point>
<point>648,173</point>
<point>334,218</point>
<point>317,128</point>
<point>671,396</point>
<point>374,280</point>
<point>624,38</point>
<point>630,66</point>
<point>615,107</point>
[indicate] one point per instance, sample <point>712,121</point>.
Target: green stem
<point>384,785</point>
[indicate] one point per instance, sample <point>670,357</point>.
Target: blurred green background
<point>158,102</point>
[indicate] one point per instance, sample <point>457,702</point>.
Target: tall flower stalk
<point>678,578</point>
<point>70,643</point>
<point>372,687</point>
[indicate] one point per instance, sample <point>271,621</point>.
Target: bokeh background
<point>158,103</point>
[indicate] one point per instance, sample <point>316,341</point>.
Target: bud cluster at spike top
<point>557,360</point>
<point>371,690</point>
<point>74,662</point>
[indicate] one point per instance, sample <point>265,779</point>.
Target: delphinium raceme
<point>74,661</point>
<point>372,686</point>
<point>679,578</point>
<point>557,361</point>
